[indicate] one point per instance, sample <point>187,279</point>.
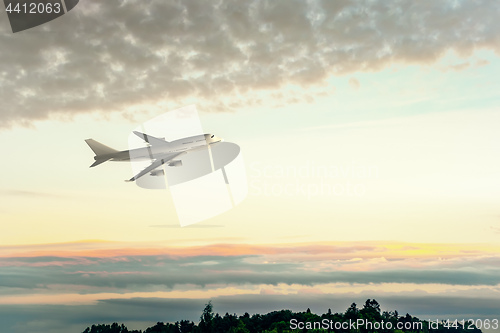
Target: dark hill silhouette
<point>284,321</point>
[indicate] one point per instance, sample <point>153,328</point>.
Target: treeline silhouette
<point>285,321</point>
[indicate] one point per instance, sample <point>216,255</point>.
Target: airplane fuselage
<point>159,152</point>
<point>192,143</point>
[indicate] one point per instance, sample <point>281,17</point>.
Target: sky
<point>369,131</point>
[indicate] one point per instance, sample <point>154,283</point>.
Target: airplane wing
<point>157,163</point>
<point>151,139</point>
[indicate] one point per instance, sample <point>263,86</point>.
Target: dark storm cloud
<point>111,55</point>
<point>144,312</point>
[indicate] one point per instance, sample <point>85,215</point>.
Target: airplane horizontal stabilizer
<point>99,161</point>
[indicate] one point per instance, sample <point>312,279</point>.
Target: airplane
<point>159,150</point>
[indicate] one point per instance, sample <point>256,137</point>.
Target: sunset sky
<point>369,131</point>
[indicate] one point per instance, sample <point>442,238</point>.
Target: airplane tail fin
<point>100,150</point>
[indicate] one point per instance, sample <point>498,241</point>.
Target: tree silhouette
<point>280,322</point>
<point>207,318</point>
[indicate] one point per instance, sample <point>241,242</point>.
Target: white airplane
<point>159,151</point>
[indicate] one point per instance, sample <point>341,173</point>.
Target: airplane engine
<point>177,163</point>
<point>157,173</point>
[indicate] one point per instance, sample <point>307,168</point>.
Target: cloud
<point>175,226</point>
<point>24,193</point>
<point>467,277</point>
<point>354,83</point>
<point>122,270</point>
<point>125,56</point>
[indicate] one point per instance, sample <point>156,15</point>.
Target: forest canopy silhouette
<point>369,317</point>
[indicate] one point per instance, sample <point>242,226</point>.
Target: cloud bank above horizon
<point>141,284</point>
<point>71,269</point>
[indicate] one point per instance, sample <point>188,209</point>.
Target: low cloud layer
<point>67,287</point>
<point>197,267</point>
<point>127,56</point>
